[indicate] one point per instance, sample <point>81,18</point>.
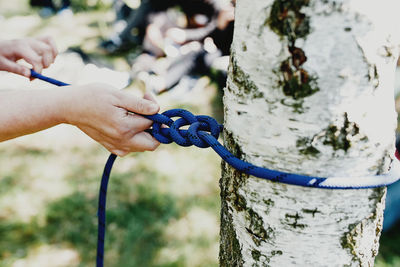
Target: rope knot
<point>199,126</point>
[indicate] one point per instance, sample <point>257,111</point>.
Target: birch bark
<point>309,91</point>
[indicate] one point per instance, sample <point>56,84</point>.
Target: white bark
<point>351,50</point>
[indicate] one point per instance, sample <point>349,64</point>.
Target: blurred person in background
<point>137,20</point>
<point>191,48</point>
<point>191,34</point>
<point>109,116</point>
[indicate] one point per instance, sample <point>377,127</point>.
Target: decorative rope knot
<point>203,132</point>
<point>199,127</point>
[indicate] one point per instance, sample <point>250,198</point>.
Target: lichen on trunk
<point>304,88</point>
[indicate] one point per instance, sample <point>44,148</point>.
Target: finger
<point>119,153</point>
<point>97,135</point>
<point>143,142</point>
<point>136,123</point>
<point>50,41</point>
<point>30,56</point>
<point>138,143</point>
<point>105,141</point>
<point>150,96</point>
<point>47,59</point>
<point>44,50</point>
<point>13,67</point>
<point>137,105</point>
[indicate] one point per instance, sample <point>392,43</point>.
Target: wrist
<point>68,102</point>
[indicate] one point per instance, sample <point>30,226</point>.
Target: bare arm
<point>103,113</point>
<point>109,116</point>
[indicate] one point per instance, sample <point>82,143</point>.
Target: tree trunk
<point>309,91</point>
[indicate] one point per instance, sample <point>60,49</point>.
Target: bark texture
<point>309,91</point>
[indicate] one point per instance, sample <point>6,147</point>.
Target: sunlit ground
<point>163,207</point>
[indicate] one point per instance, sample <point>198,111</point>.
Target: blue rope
<point>101,211</point>
<point>203,132</point>
<point>34,74</point>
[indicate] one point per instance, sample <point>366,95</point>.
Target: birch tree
<point>309,91</point>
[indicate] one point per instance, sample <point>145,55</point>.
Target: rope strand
<point>203,132</point>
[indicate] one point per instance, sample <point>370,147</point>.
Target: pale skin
<point>109,116</point>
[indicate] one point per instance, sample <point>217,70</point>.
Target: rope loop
<point>203,132</point>
<point>183,137</point>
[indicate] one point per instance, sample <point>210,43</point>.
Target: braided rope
<point>203,132</point>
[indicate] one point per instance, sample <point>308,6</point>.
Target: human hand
<point>38,52</point>
<point>112,117</point>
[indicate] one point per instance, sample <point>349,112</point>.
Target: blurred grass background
<point>163,207</point>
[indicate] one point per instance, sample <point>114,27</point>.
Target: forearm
<point>25,112</point>
<point>109,116</point>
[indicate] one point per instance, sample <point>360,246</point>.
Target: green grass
<point>141,206</point>
<point>389,249</point>
<point>162,208</point>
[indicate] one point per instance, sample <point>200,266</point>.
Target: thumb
<point>13,67</point>
<point>138,105</point>
<point>150,96</point>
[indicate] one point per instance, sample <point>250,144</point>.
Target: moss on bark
<point>288,21</point>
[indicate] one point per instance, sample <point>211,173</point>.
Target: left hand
<point>38,52</point>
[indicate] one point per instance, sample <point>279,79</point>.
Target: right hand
<point>112,117</point>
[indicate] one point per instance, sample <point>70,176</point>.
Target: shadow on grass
<point>134,233</point>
